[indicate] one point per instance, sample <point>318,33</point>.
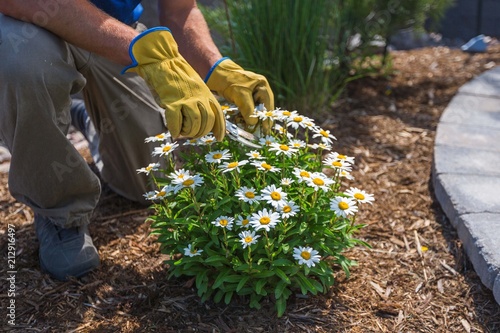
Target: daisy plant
<point>260,223</point>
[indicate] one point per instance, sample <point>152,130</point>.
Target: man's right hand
<point>191,110</point>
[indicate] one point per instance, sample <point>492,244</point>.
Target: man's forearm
<point>191,33</point>
<point>78,22</point>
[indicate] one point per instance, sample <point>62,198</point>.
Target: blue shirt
<point>127,11</point>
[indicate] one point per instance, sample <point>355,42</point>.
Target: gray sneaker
<point>65,252</point>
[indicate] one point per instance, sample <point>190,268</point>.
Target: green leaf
<point>227,297</point>
<point>242,282</point>
<point>259,285</point>
<point>280,306</point>
<point>280,287</point>
<point>282,275</point>
<point>220,278</point>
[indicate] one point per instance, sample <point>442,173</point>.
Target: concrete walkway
<point>466,172</point>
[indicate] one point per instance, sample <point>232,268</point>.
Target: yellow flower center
<point>160,136</point>
<point>269,114</point>
<point>255,155</point>
<point>324,133</point>
<point>306,255</point>
<point>304,174</point>
<point>250,195</point>
<point>149,168</point>
<point>343,205</point>
<point>193,251</point>
<point>266,166</point>
<point>359,196</point>
<point>286,113</point>
<point>287,209</point>
<point>268,142</point>
<point>275,196</point>
<point>244,222</point>
<point>209,141</point>
<point>296,144</point>
<point>341,157</point>
<point>166,148</point>
<point>284,147</point>
<point>223,222</point>
<point>297,119</point>
<point>161,193</point>
<point>318,181</point>
<point>265,220</point>
<point>248,239</point>
<point>232,165</point>
<point>188,182</point>
<point>337,164</point>
<point>224,107</point>
<point>217,156</point>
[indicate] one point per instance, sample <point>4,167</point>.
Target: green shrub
<point>309,50</point>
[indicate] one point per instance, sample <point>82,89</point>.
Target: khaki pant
<point>38,74</point>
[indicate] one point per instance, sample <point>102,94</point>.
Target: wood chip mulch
<point>415,278</point>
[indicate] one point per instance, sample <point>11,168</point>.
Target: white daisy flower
<point>296,143</point>
<point>179,176</point>
<point>158,137</point>
<point>289,208</point>
<point>248,238</point>
<point>266,114</point>
<point>247,194</point>
<point>149,168</point>
<point>165,149</point>
<point>285,115</point>
<point>319,180</point>
<point>264,166</point>
<point>267,140</point>
<point>322,145</point>
<point>218,156</point>
<point>207,140</point>
<point>224,222</point>
<point>274,196</point>
<point>191,251</point>
<point>341,157</point>
<point>306,256</point>
<point>254,155</point>
<point>297,121</point>
<point>301,174</point>
<point>191,142</point>
<point>346,175</point>
<point>242,222</point>
<point>337,164</point>
<point>286,181</point>
<point>151,195</point>
<point>166,190</point>
<point>283,131</point>
<point>359,195</point>
<point>343,206</point>
<point>324,135</point>
<point>189,182</point>
<point>282,149</point>
<point>264,219</point>
<point>310,125</point>
<point>230,166</point>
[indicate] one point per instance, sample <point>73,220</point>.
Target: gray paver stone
<point>496,289</point>
<point>461,194</point>
<point>481,244</point>
<point>486,84</point>
<point>449,159</point>
<point>455,135</point>
<point>473,111</point>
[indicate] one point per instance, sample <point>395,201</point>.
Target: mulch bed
<point>415,278</point>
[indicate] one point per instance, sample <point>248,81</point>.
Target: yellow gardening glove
<point>243,88</point>
<point>191,110</point>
